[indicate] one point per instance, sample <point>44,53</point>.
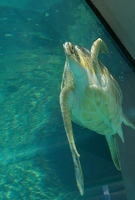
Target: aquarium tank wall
<point>36,161</point>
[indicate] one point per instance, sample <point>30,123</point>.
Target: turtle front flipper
<point>98,47</point>
<point>68,128</point>
<point>112,143</point>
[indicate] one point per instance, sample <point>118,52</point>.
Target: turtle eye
<point>72,50</point>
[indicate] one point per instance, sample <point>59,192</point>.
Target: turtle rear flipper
<point>112,143</point>
<point>127,122</point>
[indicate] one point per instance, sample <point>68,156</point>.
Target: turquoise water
<point>35,159</point>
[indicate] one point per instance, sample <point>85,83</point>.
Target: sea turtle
<point>92,98</point>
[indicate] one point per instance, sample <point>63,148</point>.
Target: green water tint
<point>25,174</point>
<point>35,162</point>
<point>26,100</point>
<point>26,181</point>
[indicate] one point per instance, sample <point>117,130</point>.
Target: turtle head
<point>76,58</point>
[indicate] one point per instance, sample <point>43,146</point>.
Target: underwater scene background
<point>35,158</point>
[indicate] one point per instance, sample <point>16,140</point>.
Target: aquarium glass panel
<point>35,160</point>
